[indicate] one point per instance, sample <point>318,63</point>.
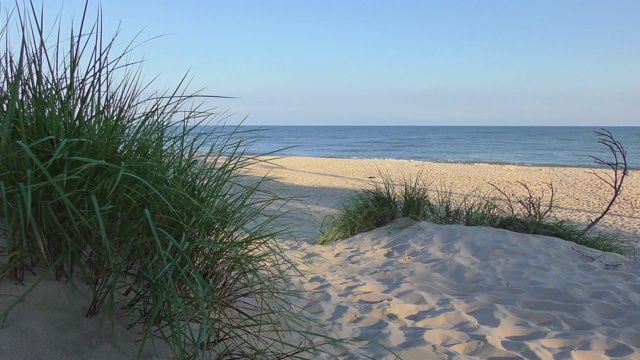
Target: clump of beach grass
<point>386,201</point>
<point>104,185</point>
<point>364,211</point>
<point>414,198</point>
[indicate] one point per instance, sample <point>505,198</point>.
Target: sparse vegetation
<point>100,184</point>
<point>447,207</point>
<point>366,210</point>
<point>528,213</point>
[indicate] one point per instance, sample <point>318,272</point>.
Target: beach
<point>413,290</point>
<point>419,291</point>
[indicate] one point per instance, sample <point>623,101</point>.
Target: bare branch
<point>599,259</point>
<point>618,166</point>
<point>507,200</point>
<point>529,206</point>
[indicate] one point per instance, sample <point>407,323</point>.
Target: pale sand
<point>421,290</point>
<point>430,291</point>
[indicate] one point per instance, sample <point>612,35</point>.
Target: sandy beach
<point>422,291</point>
<point>414,289</point>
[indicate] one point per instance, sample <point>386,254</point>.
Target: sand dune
<point>420,289</point>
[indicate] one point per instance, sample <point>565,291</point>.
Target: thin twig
<point>600,259</point>
<point>618,166</point>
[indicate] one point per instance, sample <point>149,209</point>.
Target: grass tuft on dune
<point>414,198</point>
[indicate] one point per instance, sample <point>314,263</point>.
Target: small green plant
<point>414,198</point>
<point>103,185</point>
<point>364,211</point>
<point>378,206</point>
<point>447,207</point>
<point>565,231</point>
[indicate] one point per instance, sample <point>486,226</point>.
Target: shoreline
<point>581,166</point>
<point>527,146</point>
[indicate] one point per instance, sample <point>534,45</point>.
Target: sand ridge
<point>423,290</point>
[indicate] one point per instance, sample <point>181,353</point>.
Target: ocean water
<point>547,146</point>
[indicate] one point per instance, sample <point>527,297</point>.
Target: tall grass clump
<point>444,206</point>
<point>414,197</point>
<point>102,185</point>
<point>384,202</point>
<point>529,213</point>
<point>363,211</point>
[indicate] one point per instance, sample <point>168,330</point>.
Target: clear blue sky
<point>394,62</point>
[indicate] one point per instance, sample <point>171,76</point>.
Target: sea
<point>521,145</point>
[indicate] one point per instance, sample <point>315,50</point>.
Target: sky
<point>325,62</point>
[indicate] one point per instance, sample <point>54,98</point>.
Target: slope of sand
<point>426,291</point>
<point>416,289</point>
<point>431,291</point>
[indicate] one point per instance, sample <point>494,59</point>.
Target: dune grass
<point>103,185</point>
<point>365,210</point>
<point>415,199</point>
